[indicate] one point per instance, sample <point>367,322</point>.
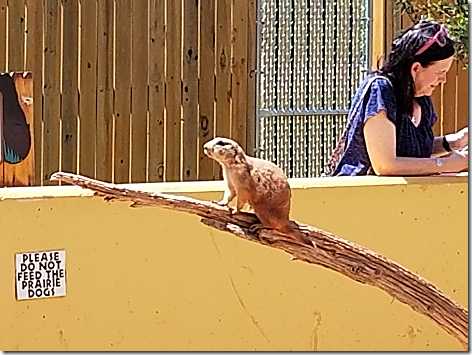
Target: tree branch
<point>352,260</point>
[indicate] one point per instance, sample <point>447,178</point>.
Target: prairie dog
<point>260,183</point>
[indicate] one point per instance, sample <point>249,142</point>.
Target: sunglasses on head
<point>439,38</point>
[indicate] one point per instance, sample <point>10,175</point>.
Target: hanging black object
<point>15,139</point>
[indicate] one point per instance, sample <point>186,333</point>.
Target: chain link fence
<point>313,54</point>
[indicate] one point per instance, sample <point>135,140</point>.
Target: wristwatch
<point>446,145</point>
<point>438,162</point>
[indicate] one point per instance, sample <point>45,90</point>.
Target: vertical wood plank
<point>34,63</point>
<point>156,79</point>
<point>449,101</point>
<point>206,86</point>
<point>406,21</point>
<point>70,102</point>
<point>3,37</point>
<point>139,91</point>
<point>223,73</point>
<point>51,105</point>
<point>239,72</point>
<point>16,35</point>
<point>173,91</point>
<point>122,90</point>
<point>378,32</point>
<point>190,90</point>
<point>22,174</point>
<point>87,87</point>
<point>393,22</point>
<point>389,23</point>
<point>437,99</point>
<point>104,142</point>
<point>462,97</point>
<point>252,75</point>
<point>223,70</point>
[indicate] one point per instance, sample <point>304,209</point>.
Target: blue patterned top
<point>412,141</point>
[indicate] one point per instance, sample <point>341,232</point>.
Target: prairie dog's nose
<point>206,148</point>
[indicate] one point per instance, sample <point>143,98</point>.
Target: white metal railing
<point>312,55</point>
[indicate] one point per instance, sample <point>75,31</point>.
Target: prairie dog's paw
<point>222,203</point>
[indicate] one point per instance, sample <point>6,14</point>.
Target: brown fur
<point>260,183</point>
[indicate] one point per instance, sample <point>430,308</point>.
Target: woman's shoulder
<point>376,86</point>
<point>379,94</point>
<point>375,83</point>
<point>379,80</point>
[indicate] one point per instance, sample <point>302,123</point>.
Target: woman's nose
<point>442,78</point>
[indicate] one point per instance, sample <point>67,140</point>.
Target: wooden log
<point>350,259</point>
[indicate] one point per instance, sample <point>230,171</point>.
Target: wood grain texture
<point>104,120</point>
<point>378,39</point>
<point>173,99</point>
<point>251,92</point>
<point>239,73</point>
<point>88,87</point>
<point>34,63</point>
<point>16,35</point>
<point>4,32</point>
<point>462,117</point>
<point>122,90</point>
<point>223,74</point>
<point>347,258</point>
<point>156,83</point>
<point>51,89</point>
<point>190,91</point>
<point>449,102</point>
<point>139,90</point>
<point>70,78</point>
<point>206,87</point>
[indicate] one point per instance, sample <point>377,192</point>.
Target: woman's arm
<point>380,137</point>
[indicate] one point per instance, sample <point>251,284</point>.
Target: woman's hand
<point>458,160</point>
<point>459,139</point>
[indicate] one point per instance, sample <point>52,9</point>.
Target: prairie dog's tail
<point>295,233</point>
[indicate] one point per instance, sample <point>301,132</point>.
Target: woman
<point>391,117</point>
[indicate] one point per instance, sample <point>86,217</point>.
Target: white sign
<point>40,274</point>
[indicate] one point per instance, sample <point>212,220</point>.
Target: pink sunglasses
<point>439,38</point>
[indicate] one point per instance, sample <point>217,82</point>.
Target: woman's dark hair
<point>402,55</point>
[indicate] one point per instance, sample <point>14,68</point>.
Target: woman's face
<point>425,80</point>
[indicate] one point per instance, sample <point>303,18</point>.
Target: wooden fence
<point>451,100</point>
<point>130,90</point>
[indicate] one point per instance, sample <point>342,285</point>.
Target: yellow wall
<point>155,279</point>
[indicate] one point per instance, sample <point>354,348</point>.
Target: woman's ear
<point>415,68</point>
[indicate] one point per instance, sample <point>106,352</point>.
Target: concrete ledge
<point>156,279</point>
<point>210,186</point>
